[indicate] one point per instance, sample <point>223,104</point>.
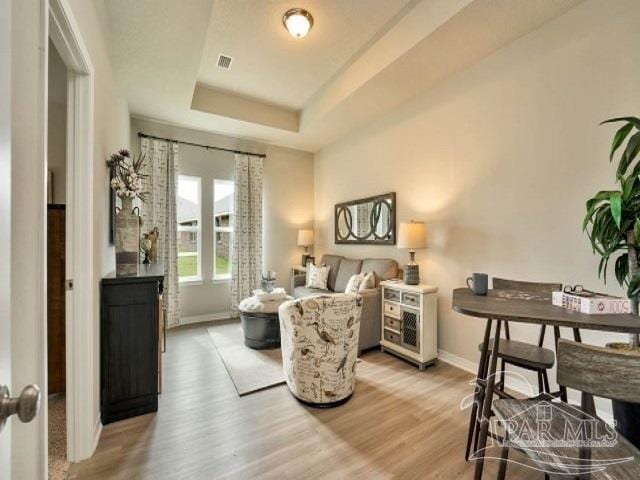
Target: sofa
<point>340,271</point>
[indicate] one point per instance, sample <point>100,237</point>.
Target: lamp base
<point>411,270</point>
<point>411,274</point>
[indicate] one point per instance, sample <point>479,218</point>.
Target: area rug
<point>250,370</point>
<point>58,464</point>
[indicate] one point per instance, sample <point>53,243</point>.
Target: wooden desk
<point>524,307</point>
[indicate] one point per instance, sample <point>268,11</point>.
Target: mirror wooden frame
<point>371,238</point>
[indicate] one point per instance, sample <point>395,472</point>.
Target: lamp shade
<point>305,238</point>
<point>412,235</point>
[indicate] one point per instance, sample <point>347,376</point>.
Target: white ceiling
<point>271,65</point>
<point>362,58</point>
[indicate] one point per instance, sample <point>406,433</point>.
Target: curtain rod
<point>208,147</point>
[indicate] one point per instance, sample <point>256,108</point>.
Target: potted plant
<point>126,182</point>
<point>612,223</point>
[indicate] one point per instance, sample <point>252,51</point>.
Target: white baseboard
<point>456,361</point>
<point>520,385</point>
<point>97,431</point>
<point>209,317</point>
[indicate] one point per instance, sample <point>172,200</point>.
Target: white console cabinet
<point>410,322</point>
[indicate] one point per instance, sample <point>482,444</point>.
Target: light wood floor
<point>400,423</point>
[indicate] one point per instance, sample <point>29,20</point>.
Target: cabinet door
<point>130,350</point>
<point>410,319</point>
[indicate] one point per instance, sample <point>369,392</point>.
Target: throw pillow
<point>353,285</point>
<point>317,276</point>
<point>369,281</point>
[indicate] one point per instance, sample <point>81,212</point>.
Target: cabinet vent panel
<point>410,329</point>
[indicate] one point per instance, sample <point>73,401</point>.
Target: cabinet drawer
<point>412,299</point>
<point>392,309</point>
<point>392,323</point>
<point>392,337</point>
<point>391,294</point>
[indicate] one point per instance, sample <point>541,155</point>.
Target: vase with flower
<point>126,182</point>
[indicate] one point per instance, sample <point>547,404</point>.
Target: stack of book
<point>591,302</point>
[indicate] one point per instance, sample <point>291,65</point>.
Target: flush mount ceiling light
<point>298,22</point>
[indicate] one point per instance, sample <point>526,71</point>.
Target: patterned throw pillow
<point>353,285</point>
<point>369,281</point>
<point>317,276</point>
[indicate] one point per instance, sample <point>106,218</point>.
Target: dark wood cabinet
<point>130,333</point>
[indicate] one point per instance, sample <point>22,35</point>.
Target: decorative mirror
<point>369,220</point>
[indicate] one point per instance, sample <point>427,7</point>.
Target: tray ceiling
<point>362,58</point>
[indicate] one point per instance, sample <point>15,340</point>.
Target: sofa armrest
<point>370,292</point>
<point>299,281</point>
<point>370,320</point>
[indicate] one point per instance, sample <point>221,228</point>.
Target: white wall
<point>288,205</point>
<point>111,132</point>
<point>499,161</point>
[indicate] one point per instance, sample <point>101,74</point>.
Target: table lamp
<point>305,239</point>
<point>412,235</point>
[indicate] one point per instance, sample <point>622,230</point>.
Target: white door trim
<point>5,221</point>
<point>82,428</point>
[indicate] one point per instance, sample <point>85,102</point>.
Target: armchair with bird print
<point>320,347</point>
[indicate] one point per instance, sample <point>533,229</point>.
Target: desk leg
<point>563,390</point>
<point>487,401</point>
<point>473,420</point>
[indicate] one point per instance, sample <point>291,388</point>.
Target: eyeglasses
<point>574,289</point>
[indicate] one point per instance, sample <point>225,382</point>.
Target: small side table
<point>296,272</point>
<point>410,322</point>
<point>260,321</point>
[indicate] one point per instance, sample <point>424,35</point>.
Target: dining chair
<point>525,355</point>
<point>603,372</point>
<point>522,354</point>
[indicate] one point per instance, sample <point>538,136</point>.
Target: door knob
<point>26,405</point>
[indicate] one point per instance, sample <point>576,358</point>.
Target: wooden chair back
<point>603,372</point>
<point>522,286</point>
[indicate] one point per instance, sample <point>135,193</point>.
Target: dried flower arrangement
<point>127,177</point>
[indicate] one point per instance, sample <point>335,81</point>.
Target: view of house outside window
<point>189,225</point>
<point>222,228</point>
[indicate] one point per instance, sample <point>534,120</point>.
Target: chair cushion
<point>540,427</point>
<point>332,261</point>
<point>524,354</point>
<point>348,268</point>
<point>383,268</point>
<point>301,292</point>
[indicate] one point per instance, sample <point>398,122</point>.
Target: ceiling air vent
<point>224,61</point>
